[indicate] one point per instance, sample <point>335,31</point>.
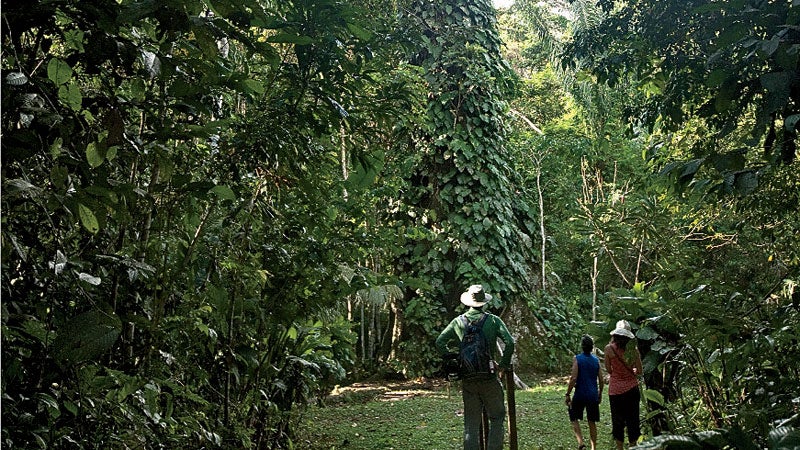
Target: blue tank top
<point>586,385</point>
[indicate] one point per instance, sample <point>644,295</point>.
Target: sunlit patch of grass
<point>423,422</point>
<point>432,419</point>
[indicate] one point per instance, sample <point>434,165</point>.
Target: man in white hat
<point>623,384</point>
<point>483,390</point>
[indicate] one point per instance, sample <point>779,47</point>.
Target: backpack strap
<point>621,360</point>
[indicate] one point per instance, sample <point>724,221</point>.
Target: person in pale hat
<point>475,296</point>
<point>480,390</point>
<point>624,366</point>
<point>623,329</point>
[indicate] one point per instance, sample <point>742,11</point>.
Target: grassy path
<point>428,416</point>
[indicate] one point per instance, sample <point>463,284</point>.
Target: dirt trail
<point>388,390</point>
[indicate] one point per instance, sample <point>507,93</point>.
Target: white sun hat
<point>475,296</point>
<point>623,329</point>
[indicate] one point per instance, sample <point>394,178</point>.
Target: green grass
<point>429,418</point>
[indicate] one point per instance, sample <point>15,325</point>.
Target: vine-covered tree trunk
<point>476,229</point>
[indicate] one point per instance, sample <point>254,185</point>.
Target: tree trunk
<point>594,289</point>
<point>363,337</point>
<point>397,330</point>
<point>541,220</point>
<point>378,334</point>
<point>538,162</point>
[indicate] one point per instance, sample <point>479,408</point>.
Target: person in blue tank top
<point>587,381</point>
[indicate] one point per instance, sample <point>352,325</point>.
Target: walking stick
<point>512,408</point>
<point>484,432</point>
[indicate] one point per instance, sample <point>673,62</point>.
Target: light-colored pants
<point>479,395</point>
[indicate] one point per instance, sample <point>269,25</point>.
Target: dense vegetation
<point>214,211</point>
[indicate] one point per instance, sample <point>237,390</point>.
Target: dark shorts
<point>592,411</point>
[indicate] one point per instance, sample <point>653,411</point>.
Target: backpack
<point>474,357</point>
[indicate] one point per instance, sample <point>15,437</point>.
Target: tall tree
<point>475,229</point>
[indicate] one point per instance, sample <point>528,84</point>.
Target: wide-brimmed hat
<point>475,296</point>
<point>623,329</point>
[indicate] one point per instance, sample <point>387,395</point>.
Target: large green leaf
<point>654,396</point>
<point>58,71</point>
<point>88,219</point>
<point>70,95</point>
<point>86,337</point>
<point>223,192</point>
<point>94,154</point>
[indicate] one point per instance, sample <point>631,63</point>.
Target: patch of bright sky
<point>555,9</point>
<point>502,3</point>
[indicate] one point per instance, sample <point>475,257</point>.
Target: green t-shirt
<point>493,329</point>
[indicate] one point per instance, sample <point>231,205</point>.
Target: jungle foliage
<point>695,241</point>
<point>215,211</point>
<point>174,230</point>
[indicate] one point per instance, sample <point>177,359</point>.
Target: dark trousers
<point>480,394</point>
<point>625,414</point>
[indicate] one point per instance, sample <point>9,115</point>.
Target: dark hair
<point>587,344</point>
<point>622,341</point>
